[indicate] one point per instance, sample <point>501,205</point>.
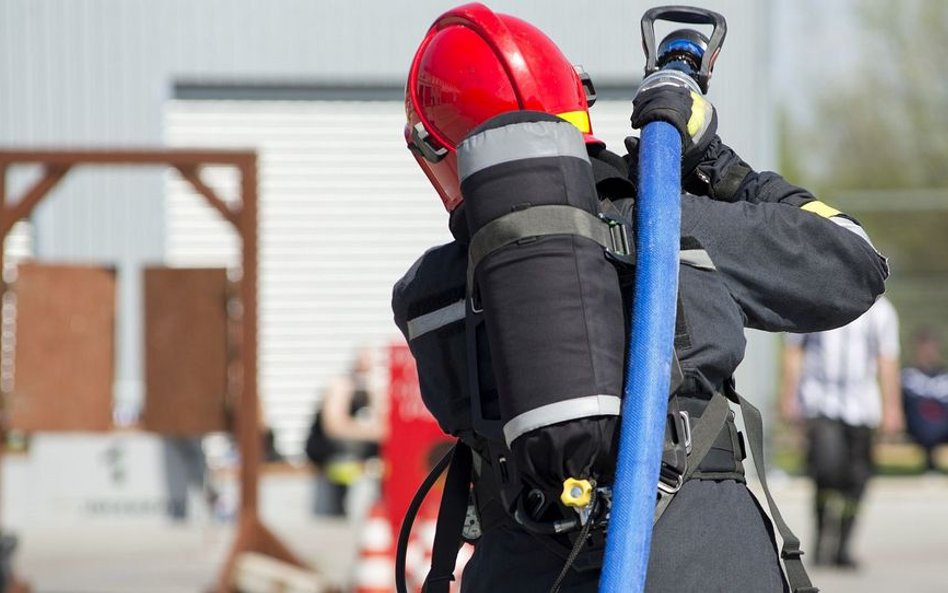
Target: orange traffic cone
<point>375,567</point>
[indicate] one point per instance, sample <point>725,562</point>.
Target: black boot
<point>930,465</point>
<point>820,550</point>
<point>843,557</point>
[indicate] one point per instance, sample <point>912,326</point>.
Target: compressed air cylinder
<point>551,300</point>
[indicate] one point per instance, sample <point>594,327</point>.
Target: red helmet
<point>474,64</point>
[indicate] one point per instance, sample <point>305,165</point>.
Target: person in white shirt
<point>843,383</point>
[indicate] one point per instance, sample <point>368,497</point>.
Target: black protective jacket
<point>773,258</point>
<point>775,263</point>
<point>777,266</point>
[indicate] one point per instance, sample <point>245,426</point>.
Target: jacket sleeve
<point>789,261</point>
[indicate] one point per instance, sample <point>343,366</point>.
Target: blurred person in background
<point>185,466</point>
<point>925,394</point>
<point>344,440</point>
<point>843,383</point>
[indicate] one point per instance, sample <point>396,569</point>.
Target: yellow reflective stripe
<point>818,207</point>
<point>580,119</point>
<point>699,111</point>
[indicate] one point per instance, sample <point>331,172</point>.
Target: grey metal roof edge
<point>286,91</point>
<point>296,90</point>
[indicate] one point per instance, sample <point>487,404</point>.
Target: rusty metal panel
<point>186,350</point>
<point>65,348</point>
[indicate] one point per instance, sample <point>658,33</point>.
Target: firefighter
<point>762,254</point>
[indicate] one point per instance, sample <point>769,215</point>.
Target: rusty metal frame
<point>252,534</point>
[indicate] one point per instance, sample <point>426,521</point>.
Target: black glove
<point>718,173</point>
<point>692,115</point>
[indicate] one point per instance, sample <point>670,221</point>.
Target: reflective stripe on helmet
<point>580,119</point>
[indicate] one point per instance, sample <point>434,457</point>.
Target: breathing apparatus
<point>685,57</point>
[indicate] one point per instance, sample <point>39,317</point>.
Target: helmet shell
<point>474,64</point>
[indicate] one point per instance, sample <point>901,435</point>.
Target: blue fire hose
<point>648,370</point>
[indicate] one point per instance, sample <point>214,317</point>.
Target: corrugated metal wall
<point>98,72</point>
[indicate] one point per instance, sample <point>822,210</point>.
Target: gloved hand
<point>718,172</point>
<point>692,115</point>
<point>583,448</point>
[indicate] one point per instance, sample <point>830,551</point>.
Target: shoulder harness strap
<point>404,533</point>
<point>451,515</point>
<point>790,551</point>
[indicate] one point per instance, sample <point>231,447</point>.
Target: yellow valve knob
<point>576,493</point>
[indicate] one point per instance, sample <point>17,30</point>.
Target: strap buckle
<point>791,553</point>
<point>685,429</point>
<point>671,477</point>
<point>670,481</point>
<point>621,248</point>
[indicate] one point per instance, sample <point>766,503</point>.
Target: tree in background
<point>885,127</point>
<point>877,146</point>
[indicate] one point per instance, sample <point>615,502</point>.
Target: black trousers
<point>713,538</point>
<point>839,456</point>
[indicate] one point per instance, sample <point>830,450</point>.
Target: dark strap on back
<point>539,221</point>
<point>450,526</point>
<point>404,533</point>
<point>790,551</point>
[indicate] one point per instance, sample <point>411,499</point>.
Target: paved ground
<point>903,543</point>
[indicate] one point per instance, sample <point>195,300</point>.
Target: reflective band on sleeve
<point>854,228</point>
<point>696,258</point>
<point>436,319</point>
<point>818,207</point>
<point>571,409</point>
<point>580,119</point>
<point>515,142</point>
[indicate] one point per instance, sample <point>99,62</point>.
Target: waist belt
<point>713,449</point>
<point>701,442</point>
<point>723,458</point>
